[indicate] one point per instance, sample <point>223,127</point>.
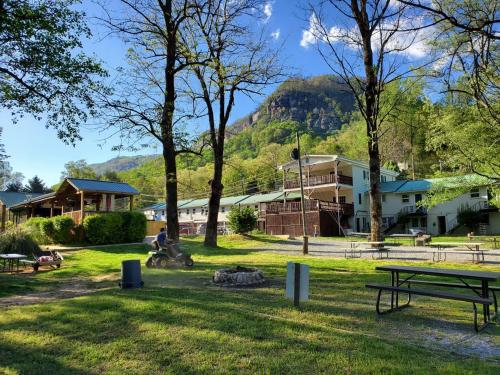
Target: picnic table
<point>480,292</point>
<point>404,235</point>
<point>376,247</point>
<point>473,247</point>
<point>9,260</point>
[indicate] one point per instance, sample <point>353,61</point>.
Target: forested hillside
<point>415,137</point>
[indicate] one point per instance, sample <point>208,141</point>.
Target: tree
<point>228,60</point>
<point>14,186</point>
<point>367,54</point>
<point>242,220</point>
<point>78,169</point>
<point>109,176</point>
<point>144,106</point>
<point>42,70</point>
<point>36,185</point>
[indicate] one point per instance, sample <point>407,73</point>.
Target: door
<point>441,224</point>
<point>418,198</point>
<point>358,229</point>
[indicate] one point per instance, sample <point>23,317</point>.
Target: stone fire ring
<point>239,276</point>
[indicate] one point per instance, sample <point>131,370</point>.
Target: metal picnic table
<point>10,259</point>
<point>404,235</point>
<point>354,248</point>
<point>480,293</point>
<point>474,247</point>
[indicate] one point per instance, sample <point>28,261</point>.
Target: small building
<point>76,198</point>
<point>401,210</point>
<point>9,199</point>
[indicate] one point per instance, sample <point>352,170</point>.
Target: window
<point>359,199</point>
<point>256,207</point>
<point>405,198</point>
<point>383,197</point>
<point>187,211</point>
<point>223,209</point>
<point>342,199</point>
<point>474,193</point>
<point>383,178</point>
<point>194,211</point>
<point>365,174</point>
<point>202,211</point>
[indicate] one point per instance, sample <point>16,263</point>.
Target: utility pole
<point>305,245</point>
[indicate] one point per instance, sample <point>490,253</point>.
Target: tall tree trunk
<point>214,201</point>
<point>371,120</point>
<point>167,131</point>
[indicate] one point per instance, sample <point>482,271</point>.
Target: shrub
<point>18,241</point>
<point>104,228</point>
<point>242,220</point>
<point>36,227</point>
<point>63,228</point>
<point>134,226</point>
<point>47,228</point>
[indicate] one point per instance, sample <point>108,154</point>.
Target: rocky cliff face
<point>321,103</point>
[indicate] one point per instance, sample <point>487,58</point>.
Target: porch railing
<point>319,180</point>
<point>310,205</point>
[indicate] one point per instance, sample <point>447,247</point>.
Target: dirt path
<point>67,289</point>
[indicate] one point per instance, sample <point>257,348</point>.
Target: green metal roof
<point>408,186</point>
<point>9,198</point>
<point>102,186</point>
<point>227,201</point>
<point>195,203</point>
<point>293,195</point>
<point>262,198</point>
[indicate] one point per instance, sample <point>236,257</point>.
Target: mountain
<point>121,163</point>
<point>321,103</point>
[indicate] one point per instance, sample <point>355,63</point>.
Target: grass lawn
<point>181,324</point>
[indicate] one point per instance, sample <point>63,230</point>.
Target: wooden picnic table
<point>10,259</point>
<point>480,293</point>
<point>474,247</point>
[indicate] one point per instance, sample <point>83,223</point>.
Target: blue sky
<point>33,149</point>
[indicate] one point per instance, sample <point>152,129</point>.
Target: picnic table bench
<point>480,293</point>
<point>474,249</point>
<point>493,239</point>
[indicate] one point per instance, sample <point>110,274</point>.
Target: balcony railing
<point>409,210</point>
<point>310,205</point>
<point>319,180</point>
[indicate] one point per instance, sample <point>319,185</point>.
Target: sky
<point>35,150</point>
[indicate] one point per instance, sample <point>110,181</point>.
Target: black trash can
<point>131,274</point>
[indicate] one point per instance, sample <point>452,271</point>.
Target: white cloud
<point>412,43</point>
<point>276,34</point>
<point>268,10</point>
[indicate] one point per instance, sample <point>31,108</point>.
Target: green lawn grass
<point>180,323</point>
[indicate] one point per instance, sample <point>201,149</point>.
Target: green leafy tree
<point>78,169</point>
<point>42,69</point>
<point>242,220</point>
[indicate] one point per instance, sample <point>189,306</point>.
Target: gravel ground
<point>336,249</point>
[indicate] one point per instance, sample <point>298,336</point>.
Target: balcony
<point>413,210</point>
<point>310,205</point>
<point>319,180</point>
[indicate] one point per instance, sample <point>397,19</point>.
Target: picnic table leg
<point>397,293</point>
<point>485,294</point>
<point>392,292</point>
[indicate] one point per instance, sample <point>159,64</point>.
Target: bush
<point>63,229</point>
<point>134,226</point>
<point>242,220</point>
<point>103,229</point>
<point>18,241</point>
<point>37,227</point>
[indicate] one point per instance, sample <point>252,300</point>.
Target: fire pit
<point>239,276</point>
